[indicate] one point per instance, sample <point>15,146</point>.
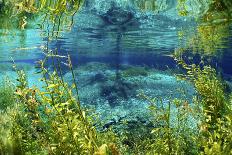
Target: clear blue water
<point>104,44</point>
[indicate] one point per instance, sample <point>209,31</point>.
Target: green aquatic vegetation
<point>146,4</point>
<point>6,125</point>
<point>218,8</point>
<point>135,71</point>
<point>68,130</point>
<point>7,99</point>
<point>200,127</point>
<point>209,38</point>
<point>174,128</point>
<point>213,102</point>
<point>182,8</point>
<point>55,15</point>
<point>205,10</point>
<point>152,5</point>
<point>215,123</point>
<point>213,30</point>
<point>19,11</point>
<point>219,141</point>
<point>51,121</point>
<point>209,87</point>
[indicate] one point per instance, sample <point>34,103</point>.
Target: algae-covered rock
<point>135,71</point>
<point>94,66</point>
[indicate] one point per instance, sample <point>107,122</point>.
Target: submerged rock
<point>116,91</point>
<point>114,96</point>
<point>117,16</point>
<point>135,71</point>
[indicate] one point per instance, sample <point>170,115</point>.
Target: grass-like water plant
<point>215,114</point>
<point>7,99</point>
<point>50,121</point>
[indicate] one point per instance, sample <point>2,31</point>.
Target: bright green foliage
<point>217,8</point>
<point>213,102</point>
<point>4,130</point>
<point>181,7</point>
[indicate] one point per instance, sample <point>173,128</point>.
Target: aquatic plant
<point>212,33</point>
<point>135,71</point>
<point>55,15</point>
<point>51,121</point>
<point>174,125</point>
<point>213,102</point>
<point>210,38</point>
<point>56,104</point>
<point>6,124</point>
<point>146,5</point>
<point>218,8</point>
<point>215,124</point>
<point>7,99</point>
<point>182,7</point>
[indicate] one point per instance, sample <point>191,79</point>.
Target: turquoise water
<point>118,52</point>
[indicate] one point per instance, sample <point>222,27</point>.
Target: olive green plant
<point>215,123</point>
<point>212,101</point>
<point>209,38</point>
<point>7,99</point>
<point>155,6</point>
<point>52,120</point>
<point>7,144</point>
<point>135,71</point>
<point>182,8</point>
<point>211,35</point>
<point>62,126</point>
<point>56,15</point>
<point>209,87</point>
<point>174,128</point>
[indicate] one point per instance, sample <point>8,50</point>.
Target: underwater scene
<point>116,77</point>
